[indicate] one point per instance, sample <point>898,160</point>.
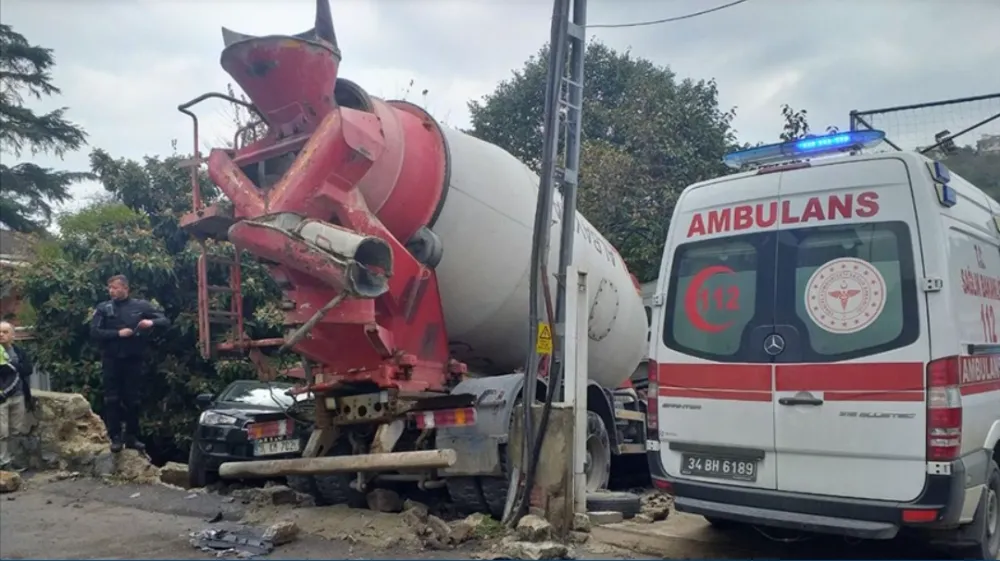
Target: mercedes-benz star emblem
<point>774,344</point>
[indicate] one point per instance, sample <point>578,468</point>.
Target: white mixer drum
<point>486,228</point>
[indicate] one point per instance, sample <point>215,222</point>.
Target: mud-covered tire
<point>495,488</point>
<point>335,488</point>
<point>598,469</point>
<point>306,485</point>
<point>466,494</point>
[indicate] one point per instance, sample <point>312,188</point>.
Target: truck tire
<point>306,485</point>
<point>466,494</point>
<point>198,473</point>
<point>598,462</point>
<point>986,524</point>
<point>335,488</point>
<point>628,504</point>
<point>495,488</point>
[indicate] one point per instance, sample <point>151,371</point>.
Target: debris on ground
<point>378,530</point>
<point>276,495</point>
<point>510,548</point>
<point>9,481</point>
<point>656,506</point>
<point>642,519</point>
<point>384,500</point>
<point>281,532</point>
<point>176,474</point>
<point>242,543</point>
<point>605,517</point>
<point>532,528</point>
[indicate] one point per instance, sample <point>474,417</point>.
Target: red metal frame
<point>379,173</point>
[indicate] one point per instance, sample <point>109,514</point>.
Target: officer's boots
<point>132,443</point>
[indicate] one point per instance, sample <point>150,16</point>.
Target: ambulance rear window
<point>832,292</point>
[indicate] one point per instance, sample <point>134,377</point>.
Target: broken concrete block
<point>274,495</point>
<point>657,506</point>
<point>438,528</point>
<point>9,481</point>
<point>533,528</point>
<point>578,537</point>
<point>384,500</point>
<point>461,531</point>
<point>605,517</point>
<point>581,522</point>
<point>410,504</point>
<point>642,519</point>
<point>532,550</point>
<point>173,473</point>
<point>281,532</point>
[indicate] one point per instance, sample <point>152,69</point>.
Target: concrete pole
<point>575,351</point>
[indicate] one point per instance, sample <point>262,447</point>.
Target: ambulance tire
<point>986,524</point>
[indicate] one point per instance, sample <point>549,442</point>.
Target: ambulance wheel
<point>986,524</point>
<point>597,465</point>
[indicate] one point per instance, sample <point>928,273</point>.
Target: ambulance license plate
<point>719,468</point>
<point>274,447</point>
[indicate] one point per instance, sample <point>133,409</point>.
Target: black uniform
<point>121,358</point>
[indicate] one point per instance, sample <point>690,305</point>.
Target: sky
<point>124,65</point>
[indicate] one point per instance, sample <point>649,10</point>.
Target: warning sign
<point>543,343</point>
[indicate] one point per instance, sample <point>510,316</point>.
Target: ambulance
<point>825,353</point>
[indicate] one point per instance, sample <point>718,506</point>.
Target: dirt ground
<point>86,519</point>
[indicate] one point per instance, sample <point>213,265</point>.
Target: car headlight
<point>213,418</point>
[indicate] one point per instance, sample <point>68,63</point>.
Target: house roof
<point>15,245</point>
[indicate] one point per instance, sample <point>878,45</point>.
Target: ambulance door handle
<point>800,401</point>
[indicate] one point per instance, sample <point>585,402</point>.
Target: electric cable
<point>665,20</point>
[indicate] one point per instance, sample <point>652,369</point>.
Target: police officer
<point>122,326</point>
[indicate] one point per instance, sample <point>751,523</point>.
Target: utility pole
<point>568,33</point>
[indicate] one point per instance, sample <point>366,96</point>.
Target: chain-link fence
<point>937,127</point>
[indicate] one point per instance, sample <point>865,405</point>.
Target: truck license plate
<point>274,447</point>
<point>719,468</point>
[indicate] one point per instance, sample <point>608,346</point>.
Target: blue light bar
<point>804,148</point>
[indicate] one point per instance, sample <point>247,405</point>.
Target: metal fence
<point>938,125</point>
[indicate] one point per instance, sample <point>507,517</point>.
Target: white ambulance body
<point>825,349</point>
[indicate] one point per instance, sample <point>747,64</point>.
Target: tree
<point>797,124</point>
<point>29,189</point>
<point>646,136</point>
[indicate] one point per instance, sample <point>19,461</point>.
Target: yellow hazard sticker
<point>543,343</point>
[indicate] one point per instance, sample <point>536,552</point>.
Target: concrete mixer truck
<point>402,250</point>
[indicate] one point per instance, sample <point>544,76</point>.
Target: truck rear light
<point>944,410</point>
<point>442,418</point>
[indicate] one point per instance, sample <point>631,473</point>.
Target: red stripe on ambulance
<point>980,374</point>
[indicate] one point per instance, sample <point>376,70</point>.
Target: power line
<point>666,20</point>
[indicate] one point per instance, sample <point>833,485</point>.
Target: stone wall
<point>64,434</point>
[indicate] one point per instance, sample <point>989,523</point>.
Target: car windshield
<point>259,394</point>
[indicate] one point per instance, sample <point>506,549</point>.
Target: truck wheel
<point>495,488</point>
<point>306,485</point>
<point>198,473</point>
<point>986,524</point>
<point>597,466</point>
<point>335,488</point>
<point>466,493</point>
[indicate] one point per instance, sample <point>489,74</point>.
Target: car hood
<point>247,412</point>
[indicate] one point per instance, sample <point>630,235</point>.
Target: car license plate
<point>273,447</point>
<point>719,468</point>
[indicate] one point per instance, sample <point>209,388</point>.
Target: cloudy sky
<point>124,65</point>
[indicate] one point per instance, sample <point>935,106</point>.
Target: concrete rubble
<point>9,481</point>
<point>281,532</point>
<point>655,506</point>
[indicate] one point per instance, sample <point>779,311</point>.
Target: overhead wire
<point>665,20</point>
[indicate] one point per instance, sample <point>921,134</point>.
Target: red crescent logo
<point>691,299</point>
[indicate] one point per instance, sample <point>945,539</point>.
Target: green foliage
<point>137,234</point>
<point>29,189</point>
<point>646,136</point>
<point>979,167</point>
